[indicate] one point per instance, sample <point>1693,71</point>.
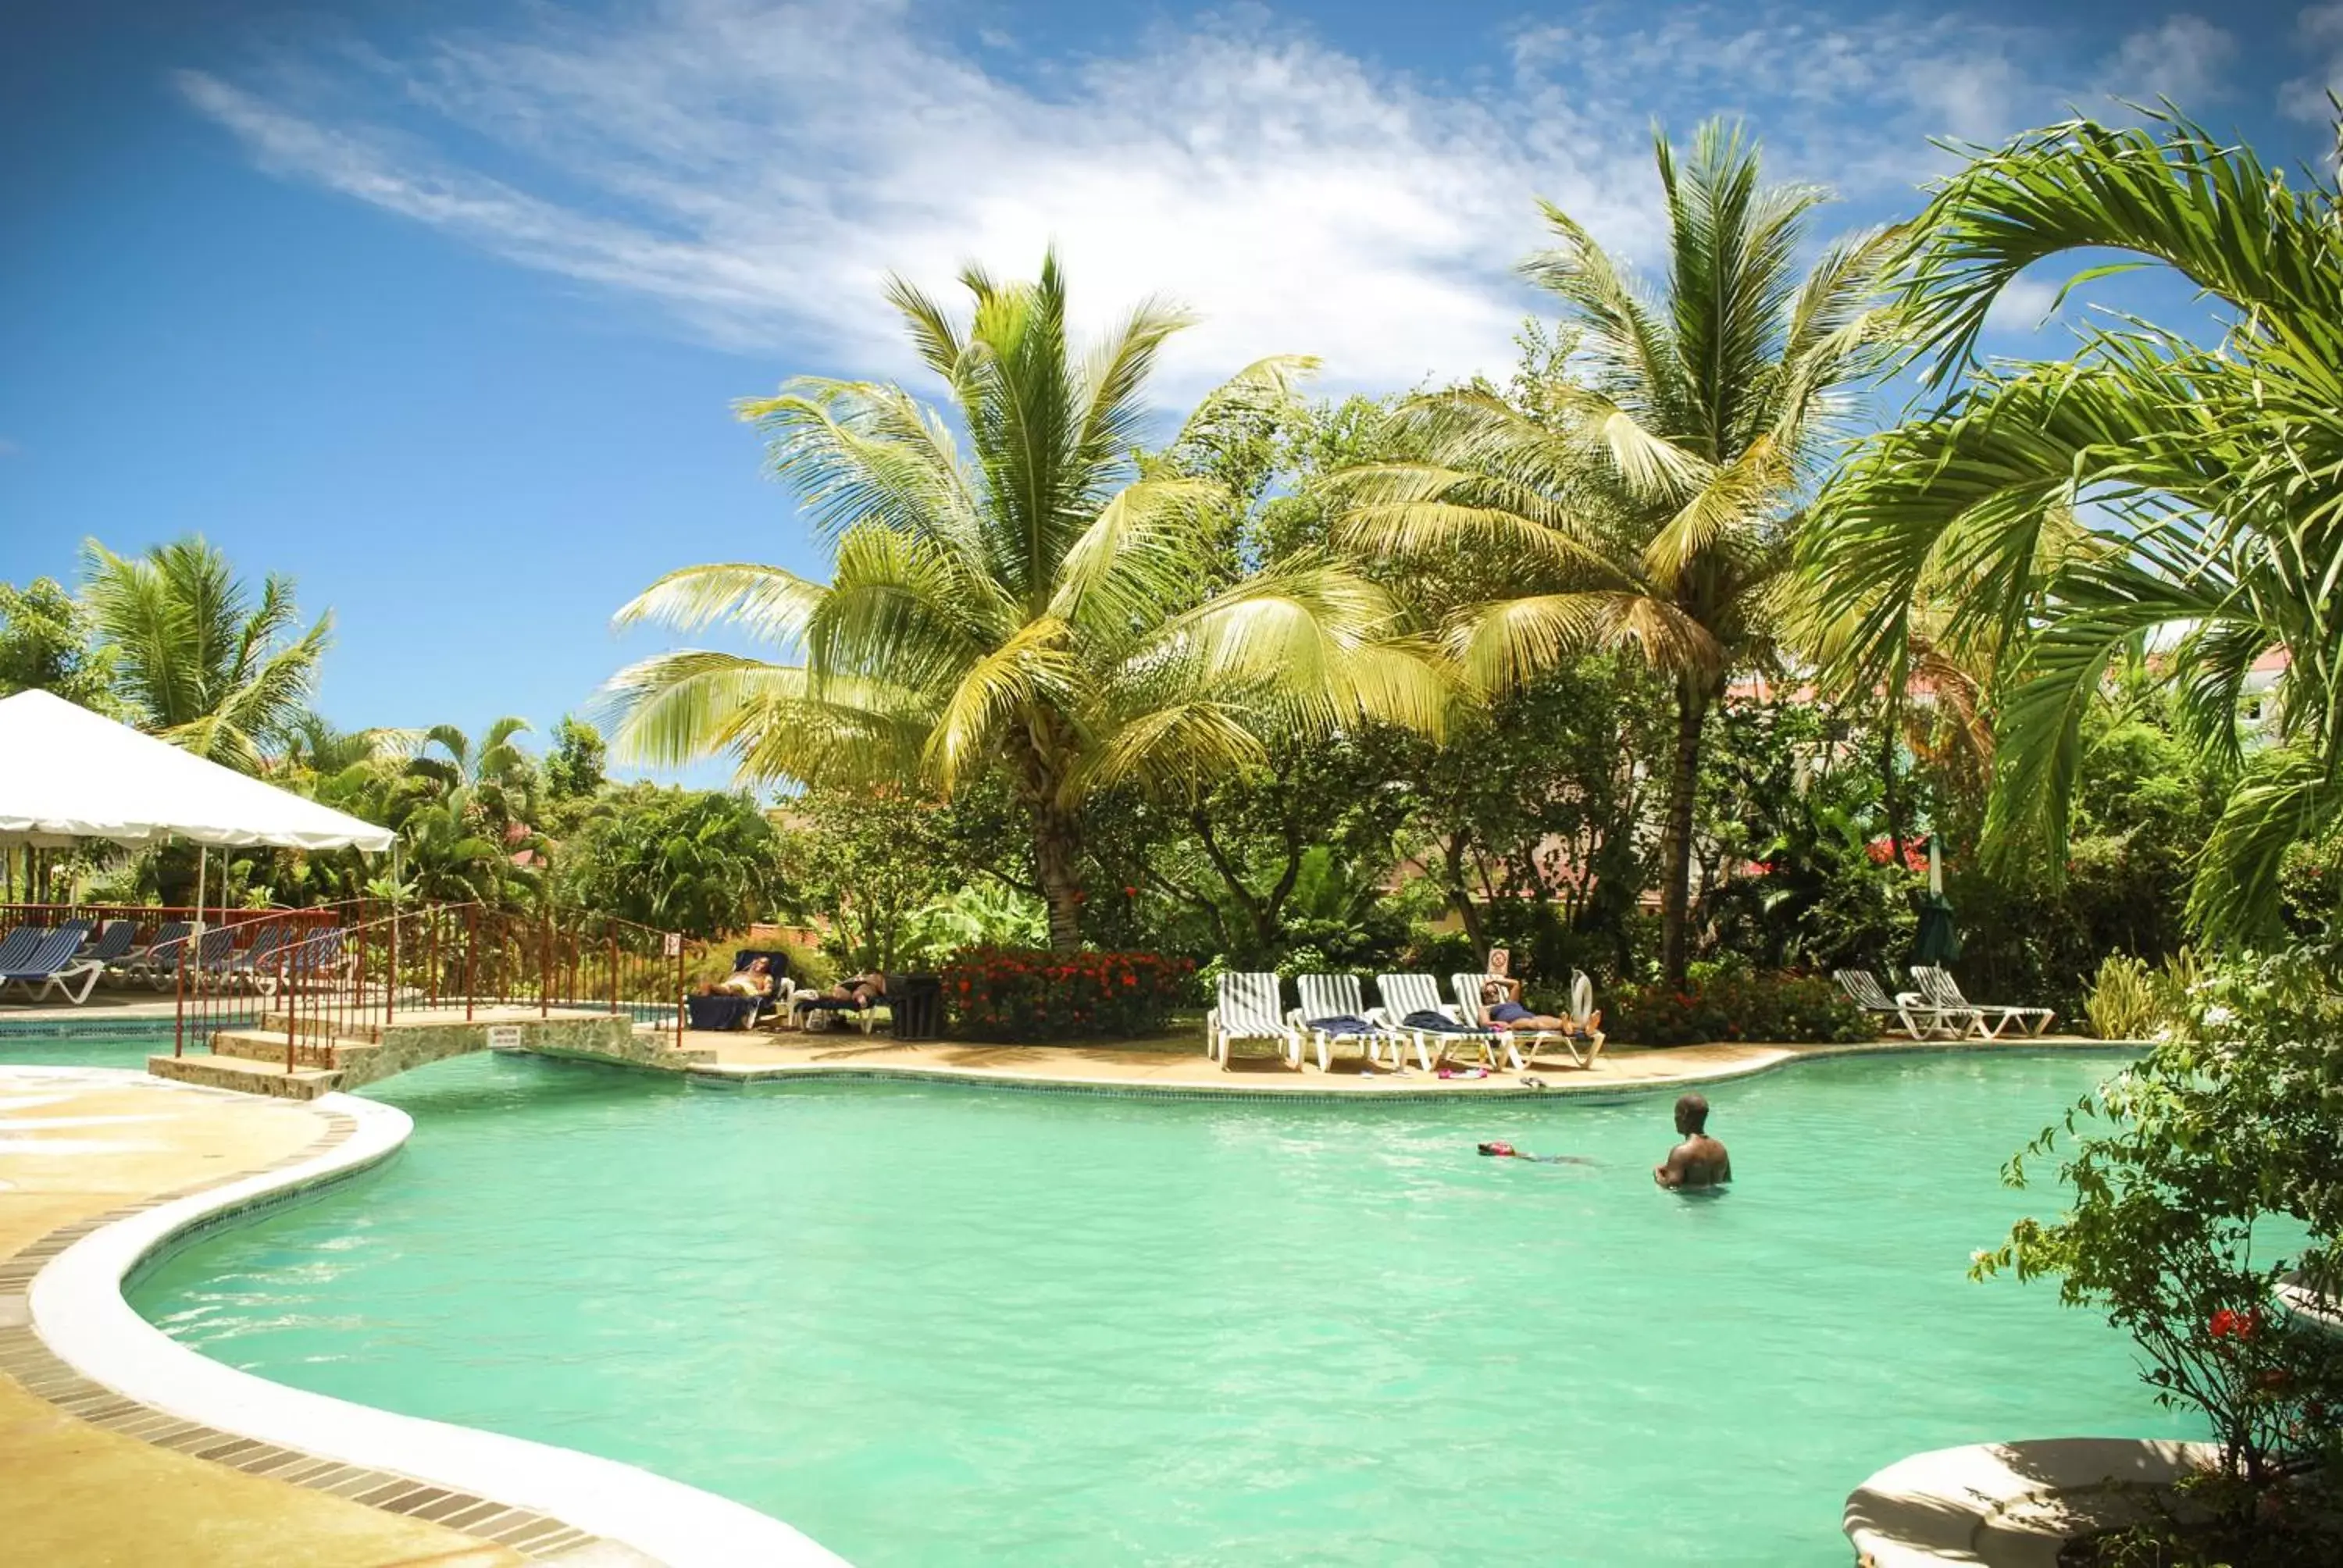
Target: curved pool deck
<point>133,1450</point>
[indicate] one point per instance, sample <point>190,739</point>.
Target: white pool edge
<point>77,1308</point>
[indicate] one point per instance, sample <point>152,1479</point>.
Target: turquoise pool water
<point>932,1325</point>
<point>118,1044</point>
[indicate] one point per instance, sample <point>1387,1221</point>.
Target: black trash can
<point>918,1003</point>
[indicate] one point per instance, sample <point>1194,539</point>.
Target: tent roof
<point>69,773</point>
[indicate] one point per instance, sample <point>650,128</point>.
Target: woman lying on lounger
<point>852,995</point>
<point>753,978</point>
<point>1500,1007</point>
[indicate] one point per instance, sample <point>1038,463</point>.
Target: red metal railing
<point>348,971</point>
<point>352,983</point>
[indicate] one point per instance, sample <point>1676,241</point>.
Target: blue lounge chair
<point>113,944</point>
<point>255,966</point>
<point>53,965</point>
<point>311,958</point>
<point>19,945</point>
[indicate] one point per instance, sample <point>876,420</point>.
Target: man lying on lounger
<point>753,978</point>
<point>1500,1007</point>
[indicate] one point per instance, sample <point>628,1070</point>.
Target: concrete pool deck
<point>743,1058</point>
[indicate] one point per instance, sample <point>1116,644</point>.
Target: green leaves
<point>2149,493</point>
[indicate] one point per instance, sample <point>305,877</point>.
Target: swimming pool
<point>935,1325</point>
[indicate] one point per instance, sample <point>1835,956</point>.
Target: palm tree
<point>1042,607</point>
<point>2151,495</point>
<point>1646,496</point>
<point>202,665</point>
<point>465,813</point>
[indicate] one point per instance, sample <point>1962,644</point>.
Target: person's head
<point>1492,991</point>
<point>1692,1115</point>
<point>760,964</point>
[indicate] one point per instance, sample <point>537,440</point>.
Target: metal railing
<point>350,971</point>
<point>354,982</point>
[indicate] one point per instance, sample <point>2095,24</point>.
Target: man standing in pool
<point>1699,1161</point>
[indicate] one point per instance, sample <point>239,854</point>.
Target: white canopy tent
<point>67,774</point>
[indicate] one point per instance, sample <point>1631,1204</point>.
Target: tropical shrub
<point>1777,1007</point>
<point>2124,1002</point>
<point>693,860</point>
<point>1028,994</point>
<point>2193,1183</point>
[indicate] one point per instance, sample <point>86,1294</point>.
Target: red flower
<point>1128,891</point>
<point>2227,1322</point>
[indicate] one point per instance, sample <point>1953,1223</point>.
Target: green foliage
<point>1639,495</point>
<point>697,861</point>
<point>1793,790</point>
<point>2194,1182</point>
<point>869,864</point>
<point>1033,994</point>
<point>46,646</point>
<point>1047,609</point>
<point>2214,532</point>
<point>573,768</point>
<point>195,659</point>
<point>2122,1002</point>
<point>1729,1006</point>
<point>981,915</point>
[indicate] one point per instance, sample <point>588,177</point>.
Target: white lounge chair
<point>1916,1012</point>
<point>1248,1010</point>
<point>1520,1044</point>
<point>1939,987</point>
<point>1328,996</point>
<point>1407,995</point>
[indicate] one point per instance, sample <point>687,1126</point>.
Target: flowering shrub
<point>1033,994</point>
<point>1782,1007</point>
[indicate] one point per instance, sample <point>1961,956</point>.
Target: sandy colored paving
<point>748,1055</point>
<point>77,1493</point>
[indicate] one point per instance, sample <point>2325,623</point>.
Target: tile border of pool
<point>106,1364</point>
<point>1575,1084</point>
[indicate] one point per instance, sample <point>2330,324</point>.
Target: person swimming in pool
<point>1699,1161</point>
<point>1500,1149</point>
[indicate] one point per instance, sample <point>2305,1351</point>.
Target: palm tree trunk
<point>1057,853</point>
<point>1675,859</point>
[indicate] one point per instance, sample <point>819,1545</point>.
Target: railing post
<point>613,975</point>
<point>545,971</point>
<point>390,981</point>
<point>471,950</point>
<point>431,964</point>
<point>285,989</point>
<point>179,1000</point>
<point>676,938</point>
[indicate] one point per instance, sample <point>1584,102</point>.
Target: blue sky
<point>441,307</point>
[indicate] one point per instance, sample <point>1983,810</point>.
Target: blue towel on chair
<point>1345,1024</point>
<point>1439,1023</point>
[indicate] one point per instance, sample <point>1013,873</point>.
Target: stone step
<point>309,1051</point>
<point>248,1076</point>
<point>317,1028</point>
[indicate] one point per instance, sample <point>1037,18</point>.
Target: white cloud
<point>2184,58</point>
<point>756,168</point>
<point>2320,30</point>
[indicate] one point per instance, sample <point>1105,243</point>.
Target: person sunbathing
<point>1500,1007</point>
<point>754,977</point>
<point>852,995</point>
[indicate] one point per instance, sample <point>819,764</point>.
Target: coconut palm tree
<point>465,814</point>
<point>2152,495</point>
<point>1645,495</point>
<point>200,662</point>
<point>1039,605</point>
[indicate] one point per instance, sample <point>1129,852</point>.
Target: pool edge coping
<point>76,1310</point>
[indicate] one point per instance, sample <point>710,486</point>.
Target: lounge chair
<point>54,965</point>
<point>1248,1010</point>
<point>1939,987</point>
<point>320,956</point>
<point>1916,1012</point>
<point>1409,998</point>
<point>254,968</point>
<point>19,945</point>
<point>1522,1044</point>
<point>159,956</point>
<point>1333,1009</point>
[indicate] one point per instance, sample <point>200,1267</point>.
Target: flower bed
<point>1033,994</point>
<point>1783,1009</point>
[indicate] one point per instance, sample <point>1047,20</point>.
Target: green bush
<point>1027,994</point>
<point>1724,1006</point>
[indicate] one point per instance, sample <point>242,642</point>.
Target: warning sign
<point>504,1037</point>
<point>675,944</point>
